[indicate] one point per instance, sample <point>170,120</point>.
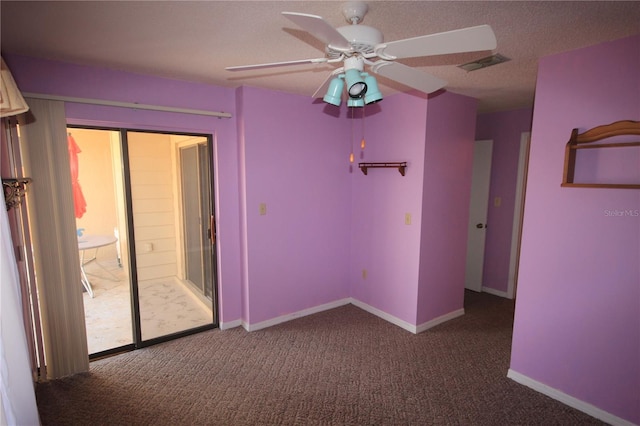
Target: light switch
<point>407,218</point>
<point>263,209</point>
<point>497,201</point>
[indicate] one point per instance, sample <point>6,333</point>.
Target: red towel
<point>79,203</point>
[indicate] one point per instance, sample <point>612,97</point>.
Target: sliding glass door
<point>163,192</point>
<point>145,238</point>
<point>196,210</point>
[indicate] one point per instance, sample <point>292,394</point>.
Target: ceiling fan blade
<point>470,39</point>
<point>408,76</point>
<point>325,83</point>
<point>323,86</point>
<point>276,64</point>
<point>319,28</point>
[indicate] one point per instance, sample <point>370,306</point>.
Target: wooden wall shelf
<point>585,141</point>
<point>366,166</point>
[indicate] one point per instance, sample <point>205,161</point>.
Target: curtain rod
<point>126,105</point>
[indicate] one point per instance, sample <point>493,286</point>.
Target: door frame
<point>138,342</point>
<point>518,214</point>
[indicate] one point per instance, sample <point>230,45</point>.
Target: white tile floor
<point>166,306</point>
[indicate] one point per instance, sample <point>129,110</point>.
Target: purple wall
<point>64,79</point>
<point>414,272</point>
<point>381,243</point>
<point>297,255</point>
<point>505,129</point>
<point>324,222</point>
<point>577,320</point>
<point>446,196</point>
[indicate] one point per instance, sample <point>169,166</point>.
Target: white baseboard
<point>495,292</point>
<point>294,315</point>
<point>375,311</point>
<point>385,316</point>
<point>568,399</point>
<point>230,324</point>
<point>443,318</point>
<point>403,324</point>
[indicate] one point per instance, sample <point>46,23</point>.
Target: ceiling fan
<point>357,45</point>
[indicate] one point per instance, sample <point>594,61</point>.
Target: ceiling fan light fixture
<point>373,94</point>
<point>334,92</point>
<point>356,45</point>
<point>355,103</point>
<point>356,87</point>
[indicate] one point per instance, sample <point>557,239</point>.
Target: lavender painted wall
<point>448,161</point>
<point>381,243</point>
<point>65,79</point>
<point>505,129</point>
<point>414,272</point>
<point>297,254</point>
<point>577,317</point>
<point>323,224</point>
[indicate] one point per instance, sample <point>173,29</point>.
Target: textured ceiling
<point>197,40</point>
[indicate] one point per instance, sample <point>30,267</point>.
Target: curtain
<point>43,142</point>
<point>16,385</point>
<point>17,396</point>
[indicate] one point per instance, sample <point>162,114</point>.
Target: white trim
<point>495,292</point>
<point>516,229</point>
<point>294,315</point>
<point>385,316</point>
<point>436,321</point>
<point>230,324</point>
<point>331,305</point>
<point>415,329</point>
<point>568,399</point>
<point>133,105</point>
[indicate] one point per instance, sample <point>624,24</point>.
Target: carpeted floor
<point>339,367</point>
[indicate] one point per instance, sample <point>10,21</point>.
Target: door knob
<point>480,226</point>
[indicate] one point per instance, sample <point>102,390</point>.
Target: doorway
<point>477,226</point>
<point>146,207</point>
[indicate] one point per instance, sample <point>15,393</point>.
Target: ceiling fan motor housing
<point>362,39</point>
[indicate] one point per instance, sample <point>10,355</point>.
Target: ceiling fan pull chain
<point>363,143</point>
<point>351,156</point>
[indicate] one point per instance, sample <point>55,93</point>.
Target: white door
<point>481,177</point>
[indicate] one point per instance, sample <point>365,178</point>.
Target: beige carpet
<point>339,367</point>
<point>166,306</point>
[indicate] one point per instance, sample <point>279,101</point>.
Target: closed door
<point>477,228</point>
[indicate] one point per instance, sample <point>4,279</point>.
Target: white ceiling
<point>197,40</point>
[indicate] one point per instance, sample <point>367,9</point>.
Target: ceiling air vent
<point>484,62</point>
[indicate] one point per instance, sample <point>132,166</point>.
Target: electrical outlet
<point>407,218</point>
<point>364,274</point>
<point>497,201</point>
<point>263,209</point>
